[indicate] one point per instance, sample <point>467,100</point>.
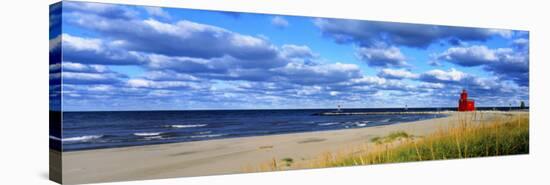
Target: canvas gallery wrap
<point>140,92</point>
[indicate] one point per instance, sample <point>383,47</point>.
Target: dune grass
<point>498,137</point>
<point>466,139</point>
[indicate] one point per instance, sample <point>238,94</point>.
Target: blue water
<point>94,130</point>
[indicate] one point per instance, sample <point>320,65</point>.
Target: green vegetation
<point>288,161</point>
<point>506,135</point>
<point>394,136</point>
<point>464,141</point>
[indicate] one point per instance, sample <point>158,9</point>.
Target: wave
<point>148,134</point>
<point>186,126</point>
<point>153,137</point>
<point>329,123</point>
<point>362,123</point>
<point>208,135</point>
<point>81,138</point>
<point>385,120</point>
<point>205,132</point>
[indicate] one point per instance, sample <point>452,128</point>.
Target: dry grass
<point>502,136</point>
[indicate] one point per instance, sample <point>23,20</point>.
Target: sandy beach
<point>228,156</point>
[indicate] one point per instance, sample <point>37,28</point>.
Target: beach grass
<point>466,139</point>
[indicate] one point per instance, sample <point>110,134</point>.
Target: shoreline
<point>233,155</point>
<point>446,113</point>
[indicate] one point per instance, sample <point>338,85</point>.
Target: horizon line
<point>245,109</point>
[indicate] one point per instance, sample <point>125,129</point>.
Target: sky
<point>122,57</point>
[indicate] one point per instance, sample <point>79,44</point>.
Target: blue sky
<point>119,57</point>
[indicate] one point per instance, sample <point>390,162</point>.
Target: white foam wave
<point>187,126</point>
<point>362,123</point>
<point>148,134</point>
<point>55,138</point>
<point>329,123</point>
<point>208,135</point>
<point>154,137</point>
<point>205,132</point>
<point>81,138</point>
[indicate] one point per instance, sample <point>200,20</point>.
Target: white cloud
<point>279,21</point>
<point>81,43</point>
<point>55,43</point>
<point>397,74</point>
<point>370,33</point>
<point>378,83</point>
<point>157,11</point>
<point>71,66</point>
<point>143,83</point>
<point>431,85</point>
<point>55,67</point>
<point>88,77</point>
<point>470,56</point>
<point>507,63</point>
<point>370,80</point>
<point>382,56</point>
<point>501,32</point>
<point>101,9</point>
<point>101,88</point>
<point>318,74</point>
<point>296,51</point>
<point>168,75</point>
<point>521,43</point>
<point>438,75</point>
<point>247,41</point>
<point>211,65</point>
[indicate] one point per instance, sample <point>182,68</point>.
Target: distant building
<point>465,104</point>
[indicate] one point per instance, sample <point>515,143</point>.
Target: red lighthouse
<point>464,104</point>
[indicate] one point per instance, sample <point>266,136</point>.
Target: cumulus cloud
<point>375,83</point>
<point>507,63</point>
<point>296,51</point>
<point>77,67</point>
<point>150,84</point>
<point>382,56</point>
<point>368,33</point>
<point>157,12</point>
<point>185,64</point>
<point>89,78</point>
<point>168,75</point>
<point>79,44</point>
<point>226,67</point>
<point>177,39</point>
<point>427,85</point>
<point>450,82</point>
<point>55,43</point>
<point>441,76</point>
<point>279,22</point>
<point>397,74</point>
<point>97,51</point>
<point>470,56</point>
<point>110,11</point>
<point>76,73</point>
<point>521,44</point>
<point>318,74</point>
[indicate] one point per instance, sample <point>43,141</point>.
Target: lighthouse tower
<point>465,104</point>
